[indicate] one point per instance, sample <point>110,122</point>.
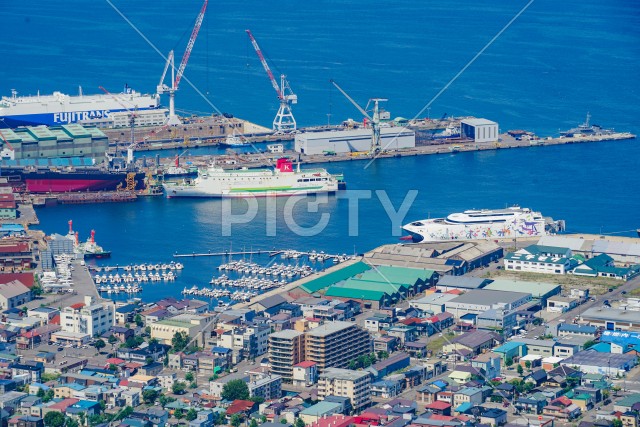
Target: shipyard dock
<point>453,146</point>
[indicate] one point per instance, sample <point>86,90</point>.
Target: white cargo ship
<point>264,182</point>
<point>507,223</point>
<point>61,109</point>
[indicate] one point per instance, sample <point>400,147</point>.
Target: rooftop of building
<point>344,374</point>
<point>489,297</point>
<point>329,328</point>
<point>536,289</point>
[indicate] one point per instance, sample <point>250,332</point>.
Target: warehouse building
<point>479,130</point>
<point>446,258</point>
<point>595,362</point>
<point>612,319</point>
<point>539,291</point>
<point>624,250</point>
<point>353,140</point>
<point>480,300</point>
<point>43,142</point>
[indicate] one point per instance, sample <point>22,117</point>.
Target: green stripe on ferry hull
<point>262,190</point>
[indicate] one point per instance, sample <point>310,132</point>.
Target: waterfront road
<point>83,285</point>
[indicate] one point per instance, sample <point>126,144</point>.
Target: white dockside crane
<point>375,120</point>
<point>176,77</point>
<point>284,121</point>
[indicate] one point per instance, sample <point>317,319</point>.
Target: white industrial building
<point>353,140</point>
<point>479,130</point>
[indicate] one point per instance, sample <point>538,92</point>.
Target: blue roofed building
<point>386,389</point>
<point>511,350</point>
<point>564,329</point>
<point>603,266</point>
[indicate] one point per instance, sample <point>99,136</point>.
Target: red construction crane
<point>284,121</point>
<point>175,82</point>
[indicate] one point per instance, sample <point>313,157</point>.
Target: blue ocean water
<point>555,63</point>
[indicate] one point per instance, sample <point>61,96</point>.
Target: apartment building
<point>87,318</point>
<point>355,385</point>
<point>286,349</point>
<point>335,344</point>
<point>194,325</point>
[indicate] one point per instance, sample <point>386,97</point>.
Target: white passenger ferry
<point>283,180</point>
<point>483,224</point>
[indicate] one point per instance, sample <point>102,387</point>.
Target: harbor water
<point>560,181</point>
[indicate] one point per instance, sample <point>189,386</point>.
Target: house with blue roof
<point>83,406</point>
<point>602,347</point>
<point>564,329</point>
<point>386,389</point>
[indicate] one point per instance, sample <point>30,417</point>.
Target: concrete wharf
<point>451,146</point>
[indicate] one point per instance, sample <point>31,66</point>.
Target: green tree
<point>253,423</point>
<point>178,413</point>
<point>527,363</point>
<point>36,290</point>
<point>192,414</point>
<point>179,341</point>
<point>616,422</point>
<point>283,421</point>
<point>149,396</point>
<point>54,419</point>
<point>148,360</point>
<point>519,370</point>
<point>382,355</point>
<point>508,362</point>
<point>82,418</point>
<point>235,420</point>
<point>235,389</point>
<point>124,413</point>
<point>138,320</point>
<point>189,376</point>
<point>164,400</point>
<point>113,367</point>
<point>40,393</point>
<point>71,423</point>
<point>589,344</point>
<point>178,388</point>
<point>257,399</point>
<point>263,419</point>
<point>112,339</point>
<point>299,422</point>
<point>48,395</point>
<point>99,344</point>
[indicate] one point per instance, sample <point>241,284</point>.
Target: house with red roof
<point>334,421</point>
<point>16,256</point>
<point>241,407</point>
<point>26,279</point>
<point>439,407</point>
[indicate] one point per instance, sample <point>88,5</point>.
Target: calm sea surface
<point>555,63</point>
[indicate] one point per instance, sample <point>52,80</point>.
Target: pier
<point>227,253</point>
<point>286,253</point>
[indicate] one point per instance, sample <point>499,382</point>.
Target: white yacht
<point>483,224</point>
